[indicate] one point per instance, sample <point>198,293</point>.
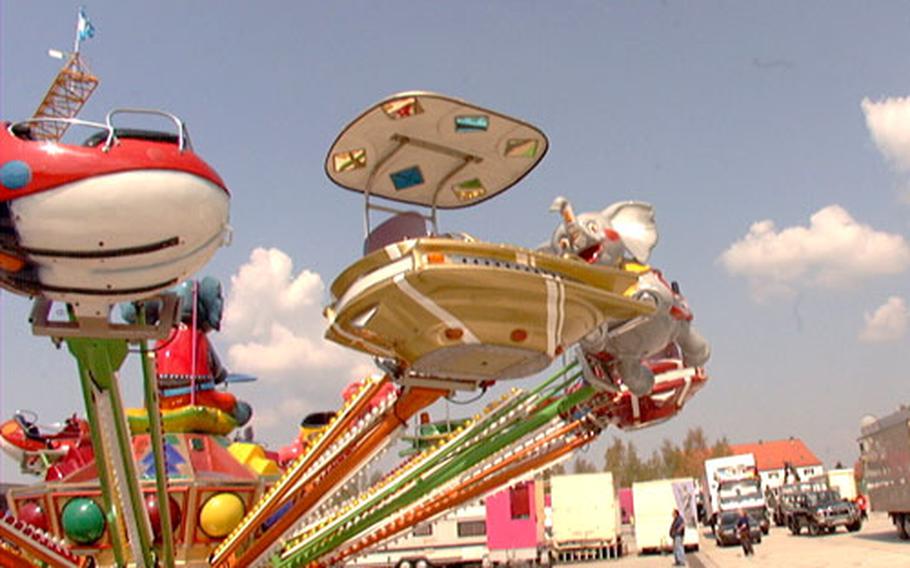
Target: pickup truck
<point>822,511</point>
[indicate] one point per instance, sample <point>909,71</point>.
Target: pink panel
<point>628,506</point>
<point>505,532</point>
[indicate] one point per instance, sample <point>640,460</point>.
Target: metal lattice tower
<point>66,96</point>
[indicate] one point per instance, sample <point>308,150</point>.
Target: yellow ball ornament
<point>221,513</point>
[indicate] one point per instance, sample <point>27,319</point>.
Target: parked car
<point>823,511</point>
<point>784,499</point>
<point>725,529</point>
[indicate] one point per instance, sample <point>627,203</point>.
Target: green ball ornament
<point>83,520</point>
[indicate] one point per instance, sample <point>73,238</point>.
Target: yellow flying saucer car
<point>446,306</point>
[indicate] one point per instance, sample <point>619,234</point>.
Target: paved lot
<point>876,545</point>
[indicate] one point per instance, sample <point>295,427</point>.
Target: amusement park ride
<point>128,216</point>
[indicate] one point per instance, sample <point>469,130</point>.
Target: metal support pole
<point>153,411</point>
<point>99,360</point>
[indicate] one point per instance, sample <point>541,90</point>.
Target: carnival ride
<point>124,215</point>
<point>445,312</point>
<point>440,311</point>
<point>35,446</point>
<point>210,482</point>
<point>446,309</point>
<point>121,217</point>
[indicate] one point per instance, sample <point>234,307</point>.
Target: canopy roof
<point>431,150</point>
<point>188,456</point>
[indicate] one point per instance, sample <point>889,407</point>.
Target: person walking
<point>862,504</point>
<point>677,532</point>
<point>743,529</point>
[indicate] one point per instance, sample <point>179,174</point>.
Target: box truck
<point>655,502</point>
<point>732,483</point>
<point>885,453</point>
<point>585,515</point>
<point>843,481</point>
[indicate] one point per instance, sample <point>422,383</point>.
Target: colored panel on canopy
<point>178,464</point>
<point>478,123</point>
<point>521,148</point>
<point>446,139</point>
<point>404,107</point>
<point>173,459</point>
<point>352,160</point>
<point>407,178</point>
<point>469,190</point>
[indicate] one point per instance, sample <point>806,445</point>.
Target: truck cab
<point>745,493</point>
<point>732,483</point>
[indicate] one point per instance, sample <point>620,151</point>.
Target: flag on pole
<point>84,29</point>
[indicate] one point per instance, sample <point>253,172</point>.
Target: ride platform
<point>475,311</point>
<point>447,309</point>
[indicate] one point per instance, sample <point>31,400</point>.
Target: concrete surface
<point>875,546</point>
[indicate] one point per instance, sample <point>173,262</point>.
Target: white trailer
<point>655,502</point>
<point>585,517</point>
<point>844,482</point>
<point>458,539</point>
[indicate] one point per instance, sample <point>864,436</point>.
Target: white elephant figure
<point>615,354</point>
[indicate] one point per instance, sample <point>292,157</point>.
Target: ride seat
<point>132,133</point>
<point>23,131</point>
<point>409,225</point>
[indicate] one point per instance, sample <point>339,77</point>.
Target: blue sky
<point>721,114</point>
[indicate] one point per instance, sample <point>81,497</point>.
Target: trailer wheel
<point>795,528</point>
<point>814,529</point>
<point>902,522</point>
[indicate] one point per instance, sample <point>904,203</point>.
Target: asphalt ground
<point>875,546</point>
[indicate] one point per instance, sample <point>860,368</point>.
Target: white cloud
<point>273,328</point>
<point>286,412</point>
<point>889,124</point>
<point>889,322</point>
<point>833,251</point>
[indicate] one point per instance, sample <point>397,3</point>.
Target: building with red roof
<point>770,457</point>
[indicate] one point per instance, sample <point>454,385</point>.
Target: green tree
<point>615,457</point>
<point>634,468</point>
<point>670,460</point>
<point>721,448</point>
<point>584,466</point>
<point>695,441</point>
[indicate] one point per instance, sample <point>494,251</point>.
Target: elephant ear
<point>211,300</point>
<point>634,221</point>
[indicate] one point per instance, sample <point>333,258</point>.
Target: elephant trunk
<point>695,348</point>
<point>564,208</point>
